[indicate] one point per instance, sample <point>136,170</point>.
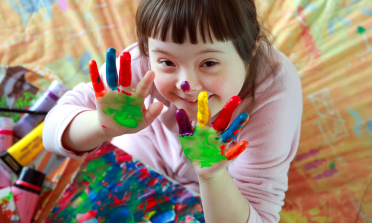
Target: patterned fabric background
<point>329,42</point>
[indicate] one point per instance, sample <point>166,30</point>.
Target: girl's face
<point>215,68</point>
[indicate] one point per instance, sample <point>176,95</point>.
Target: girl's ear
<point>258,41</point>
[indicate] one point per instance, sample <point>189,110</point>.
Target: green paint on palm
<point>361,30</point>
<point>124,109</point>
<point>203,147</point>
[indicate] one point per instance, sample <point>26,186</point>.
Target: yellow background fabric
<point>329,42</point>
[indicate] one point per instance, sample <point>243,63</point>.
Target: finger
<point>236,150</point>
<point>144,85</point>
<point>125,72</point>
<point>224,117</point>
<point>184,124</point>
<point>203,110</point>
<point>152,112</point>
<point>232,132</point>
<point>98,86</point>
<point>111,73</point>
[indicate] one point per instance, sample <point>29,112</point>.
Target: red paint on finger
<point>222,149</point>
<point>224,117</point>
<point>104,126</point>
<point>126,93</point>
<point>125,72</point>
<point>97,83</point>
<point>236,150</point>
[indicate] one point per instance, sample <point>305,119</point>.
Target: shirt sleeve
<point>80,99</point>
<point>273,133</point>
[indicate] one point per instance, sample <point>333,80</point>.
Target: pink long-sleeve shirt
<point>260,172</point>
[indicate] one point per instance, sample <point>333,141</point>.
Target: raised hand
<point>120,108</point>
<point>205,147</point>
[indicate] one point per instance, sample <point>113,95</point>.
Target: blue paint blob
<point>369,124</point>
<point>98,80</point>
<point>358,126</point>
<point>111,72</point>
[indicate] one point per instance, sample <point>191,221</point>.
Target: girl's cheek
<point>163,84</point>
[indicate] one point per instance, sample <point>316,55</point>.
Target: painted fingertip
<point>203,110</point>
<point>235,151</point>
<point>224,117</point>
<point>125,72</point>
<point>184,124</point>
<point>98,86</point>
<point>111,72</point>
<point>232,132</point>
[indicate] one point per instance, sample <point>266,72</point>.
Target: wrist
<point>212,178</point>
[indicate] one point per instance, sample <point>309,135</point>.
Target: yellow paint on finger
<point>203,111</point>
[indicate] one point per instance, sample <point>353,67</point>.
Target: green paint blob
<point>332,165</point>
<point>203,147</point>
<point>124,109</point>
<point>361,30</point>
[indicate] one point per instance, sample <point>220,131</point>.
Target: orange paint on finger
<point>236,150</point>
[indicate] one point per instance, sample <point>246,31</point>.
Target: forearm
<point>83,133</point>
<point>222,200</point>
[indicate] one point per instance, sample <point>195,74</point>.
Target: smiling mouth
<point>194,101</point>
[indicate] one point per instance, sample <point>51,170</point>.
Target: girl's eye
<point>209,64</point>
<point>167,63</point>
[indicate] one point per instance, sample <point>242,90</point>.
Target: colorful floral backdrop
<point>329,42</point>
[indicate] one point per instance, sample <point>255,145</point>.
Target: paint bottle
<point>26,190</point>
<point>24,151</point>
<point>6,141</point>
<point>44,103</point>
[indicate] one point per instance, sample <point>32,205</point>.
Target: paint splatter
<point>202,147</point>
<point>361,30</point>
<point>326,173</point>
<point>314,164</point>
<point>124,109</point>
<point>311,153</point>
<point>111,187</point>
<point>358,126</point>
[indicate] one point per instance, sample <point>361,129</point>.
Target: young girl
<point>217,47</point>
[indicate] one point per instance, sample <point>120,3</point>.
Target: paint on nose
<point>185,86</point>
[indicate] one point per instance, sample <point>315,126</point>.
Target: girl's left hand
<point>205,147</point>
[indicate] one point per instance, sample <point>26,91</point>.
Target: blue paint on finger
<point>232,132</point>
<point>111,72</point>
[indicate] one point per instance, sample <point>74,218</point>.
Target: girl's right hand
<point>120,108</point>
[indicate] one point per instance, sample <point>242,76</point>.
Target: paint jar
<point>44,103</point>
<point>6,141</point>
<point>24,151</point>
<point>26,190</point>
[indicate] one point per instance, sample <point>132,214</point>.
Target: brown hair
<point>234,20</point>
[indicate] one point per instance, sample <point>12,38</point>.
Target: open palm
<point>205,147</point>
<point>121,108</point>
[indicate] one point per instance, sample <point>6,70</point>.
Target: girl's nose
<point>188,82</point>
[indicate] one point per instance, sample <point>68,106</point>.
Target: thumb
<point>152,112</point>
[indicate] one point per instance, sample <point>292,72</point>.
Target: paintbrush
<point>23,111</point>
